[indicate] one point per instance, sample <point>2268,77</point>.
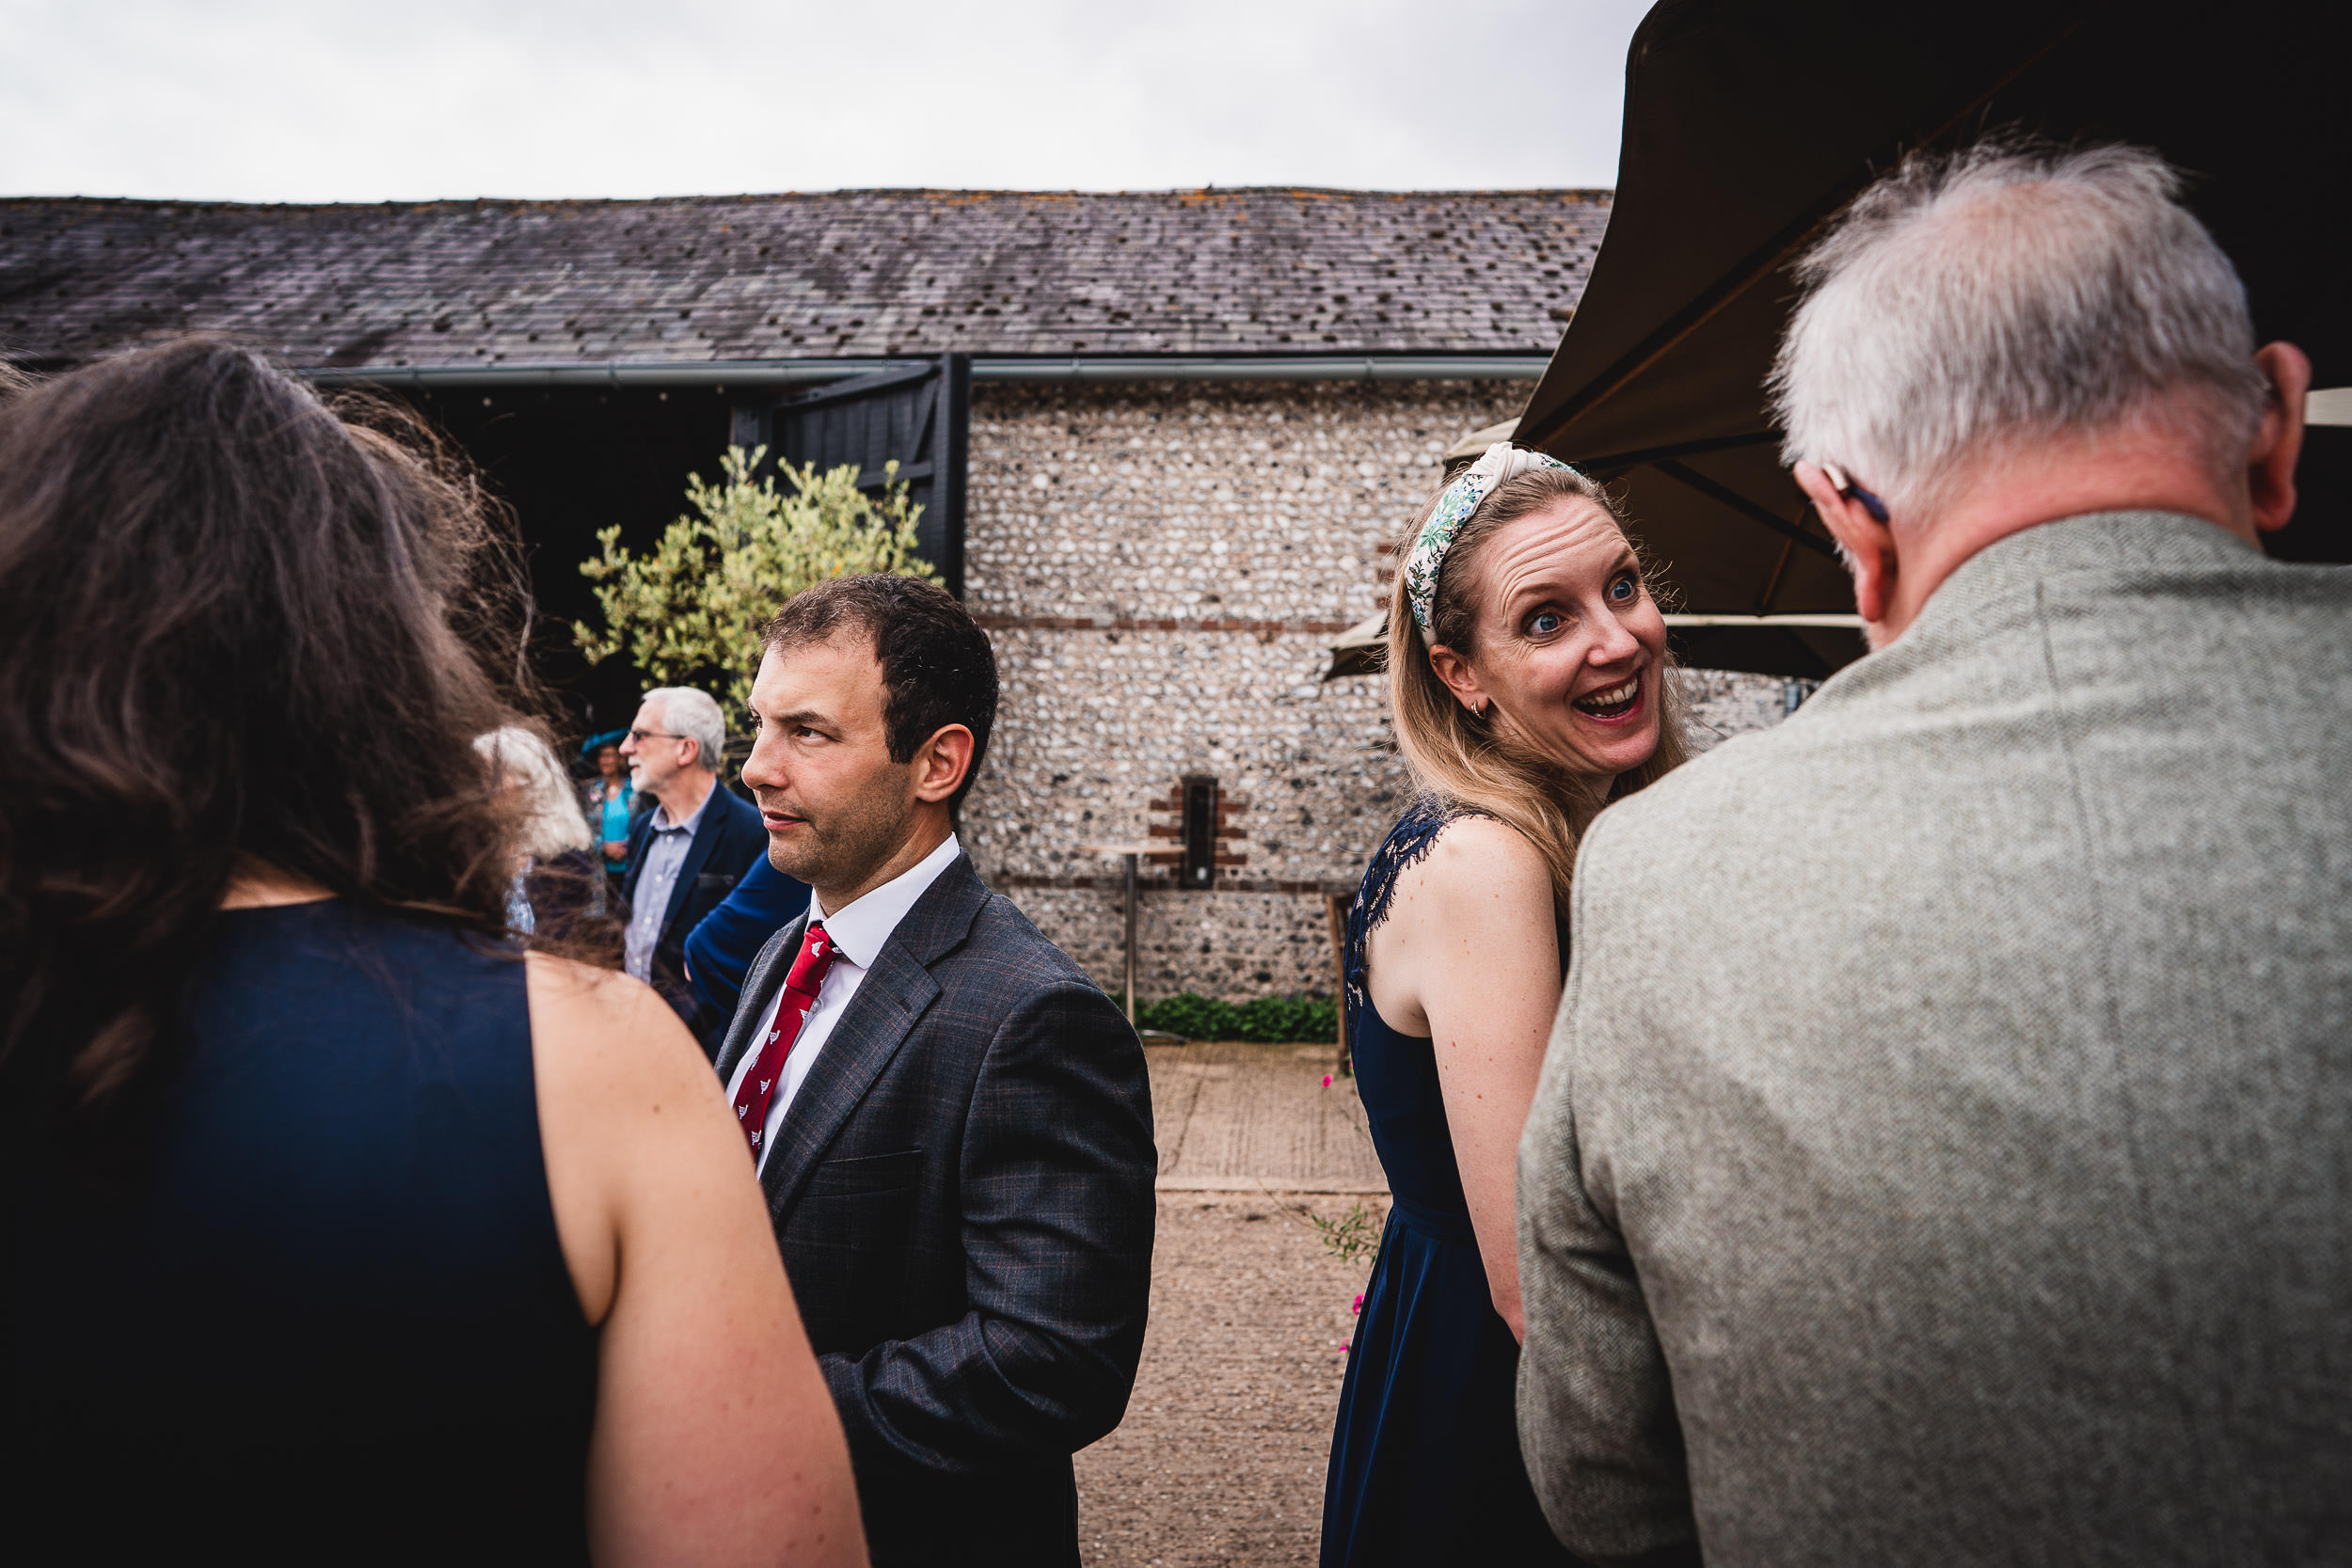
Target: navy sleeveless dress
<point>1426,1455</point>
<point>324,1316</point>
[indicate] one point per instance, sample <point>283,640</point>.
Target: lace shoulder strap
<point>1407,843</point>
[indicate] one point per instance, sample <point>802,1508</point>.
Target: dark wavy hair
<point>239,629</point>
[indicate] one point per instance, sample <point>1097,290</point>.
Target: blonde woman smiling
<point>1529,687</point>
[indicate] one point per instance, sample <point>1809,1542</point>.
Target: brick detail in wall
<point>1166,822</point>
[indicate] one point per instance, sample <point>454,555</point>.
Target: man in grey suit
<point>1945,1150</point>
<point>951,1122</point>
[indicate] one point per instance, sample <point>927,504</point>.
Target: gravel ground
<point>1220,1459</point>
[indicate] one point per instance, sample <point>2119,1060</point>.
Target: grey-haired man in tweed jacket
<point>952,1124</point>
<point>1944,1151</point>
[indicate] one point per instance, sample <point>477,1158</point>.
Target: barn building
<point>1164,442</point>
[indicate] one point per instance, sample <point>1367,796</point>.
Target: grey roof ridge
<point>1596,194</point>
<point>1411,365</point>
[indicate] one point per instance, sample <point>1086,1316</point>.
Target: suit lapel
<point>892,996</point>
<point>707,833</point>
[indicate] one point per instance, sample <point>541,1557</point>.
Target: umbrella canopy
<point>1749,123</point>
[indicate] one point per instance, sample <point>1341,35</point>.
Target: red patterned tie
<point>801,986</point>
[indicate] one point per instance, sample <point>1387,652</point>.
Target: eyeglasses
<point>1848,488</point>
<point>640,736</point>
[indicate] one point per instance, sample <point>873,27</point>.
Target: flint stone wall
<point>1162,568</point>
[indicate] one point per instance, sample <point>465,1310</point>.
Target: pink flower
<point>1326,1079</point>
<point>1356,1306</point>
<point>1344,1347</point>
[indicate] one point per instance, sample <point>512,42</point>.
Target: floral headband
<point>1455,505</point>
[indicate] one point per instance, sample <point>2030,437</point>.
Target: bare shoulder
<point>623,1092</point>
<point>1469,935</point>
<point>596,1025</point>
<point>1476,868</point>
<point>609,1054</point>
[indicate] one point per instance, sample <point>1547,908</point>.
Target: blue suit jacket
<point>727,840</point>
<point>721,947</point>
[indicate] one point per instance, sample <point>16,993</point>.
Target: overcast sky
<point>330,100</point>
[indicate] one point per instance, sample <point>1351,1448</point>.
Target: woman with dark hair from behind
<point>336,1226</point>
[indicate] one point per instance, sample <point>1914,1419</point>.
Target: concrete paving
<point>1233,1118</point>
<point>1220,1459</point>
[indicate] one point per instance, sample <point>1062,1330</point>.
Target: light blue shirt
<point>666,844</point>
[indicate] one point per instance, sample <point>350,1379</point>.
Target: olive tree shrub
<point>689,612</point>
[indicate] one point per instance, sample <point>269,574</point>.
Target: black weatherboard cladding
<point>917,416</point>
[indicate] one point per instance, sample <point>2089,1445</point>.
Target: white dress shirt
<point>858,931</point>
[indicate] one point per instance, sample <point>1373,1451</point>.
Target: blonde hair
<point>1464,758</point>
<point>546,818</point>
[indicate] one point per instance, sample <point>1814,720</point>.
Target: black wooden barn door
<point>918,413</point>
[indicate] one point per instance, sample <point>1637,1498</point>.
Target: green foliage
<point>689,612</point>
<point>1269,1020</point>
<point>1351,1236</point>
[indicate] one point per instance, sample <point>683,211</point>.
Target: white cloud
<point>280,101</point>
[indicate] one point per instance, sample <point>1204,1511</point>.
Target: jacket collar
<point>1998,591</point>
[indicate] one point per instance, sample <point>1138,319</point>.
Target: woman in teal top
<point>610,801</point>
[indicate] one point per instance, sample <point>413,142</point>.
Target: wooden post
<point>1335,916</point>
<point>1130,857</point>
<point>1133,855</point>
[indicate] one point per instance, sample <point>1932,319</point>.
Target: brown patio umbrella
<point>1748,123</point>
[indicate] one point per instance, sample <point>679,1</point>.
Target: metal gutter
<point>773,373</point>
<point>1365,367</point>
<point>610,372</point>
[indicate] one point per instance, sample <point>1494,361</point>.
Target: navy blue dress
<point>1426,1455</point>
<point>323,1316</point>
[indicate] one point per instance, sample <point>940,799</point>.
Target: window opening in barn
<point>1199,824</point>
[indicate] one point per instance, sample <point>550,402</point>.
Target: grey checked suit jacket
<point>1944,1151</point>
<point>963,1192</point>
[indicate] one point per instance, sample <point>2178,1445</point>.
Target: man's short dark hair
<point>937,667</point>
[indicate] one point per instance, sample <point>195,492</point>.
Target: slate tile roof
<point>849,274</point>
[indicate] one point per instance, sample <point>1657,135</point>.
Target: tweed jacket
<point>1944,1153</point>
<point>962,1191</point>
